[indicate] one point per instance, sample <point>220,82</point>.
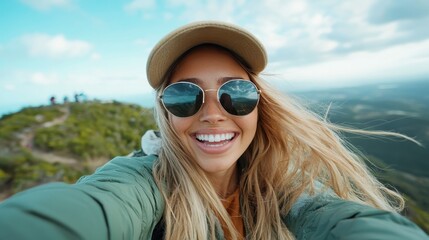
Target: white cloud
<point>47,4</point>
<point>279,24</point>
<point>139,5</point>
<point>54,46</point>
<point>302,30</point>
<point>317,41</point>
<point>399,62</point>
<point>40,78</point>
<point>92,81</point>
<point>168,16</point>
<point>95,56</point>
<point>306,40</point>
<point>9,87</point>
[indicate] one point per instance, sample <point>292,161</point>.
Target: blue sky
<point>60,47</point>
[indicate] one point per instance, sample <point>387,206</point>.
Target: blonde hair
<point>293,148</point>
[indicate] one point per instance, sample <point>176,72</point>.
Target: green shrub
<point>12,124</point>
<point>21,170</point>
<point>97,130</point>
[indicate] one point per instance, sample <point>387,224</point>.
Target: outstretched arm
<point>328,217</point>
<point>119,201</point>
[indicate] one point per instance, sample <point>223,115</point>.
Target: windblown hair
<point>293,148</point>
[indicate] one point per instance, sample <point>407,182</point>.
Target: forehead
<point>207,63</point>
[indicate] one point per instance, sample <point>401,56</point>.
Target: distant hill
<point>402,108</point>
<point>64,142</point>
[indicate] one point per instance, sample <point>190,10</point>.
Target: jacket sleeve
<point>119,201</point>
<point>328,217</point>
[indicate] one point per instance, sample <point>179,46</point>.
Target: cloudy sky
<point>61,47</point>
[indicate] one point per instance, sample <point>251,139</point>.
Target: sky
<point>62,47</point>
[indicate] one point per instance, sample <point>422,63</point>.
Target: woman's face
<point>210,67</point>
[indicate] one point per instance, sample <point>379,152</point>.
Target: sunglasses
<point>184,99</point>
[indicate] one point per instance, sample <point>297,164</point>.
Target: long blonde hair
<point>293,148</point>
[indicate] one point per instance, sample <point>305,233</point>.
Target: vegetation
<point>15,123</point>
<point>417,215</point>
<point>21,170</point>
<point>413,188</point>
<point>90,131</point>
<point>97,130</point>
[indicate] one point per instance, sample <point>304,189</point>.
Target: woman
<point>237,160</point>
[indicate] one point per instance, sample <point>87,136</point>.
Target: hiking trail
<point>26,140</point>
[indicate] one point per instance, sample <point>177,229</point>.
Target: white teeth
<point>215,137</point>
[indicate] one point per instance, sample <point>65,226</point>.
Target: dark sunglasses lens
<point>182,99</point>
<point>239,97</point>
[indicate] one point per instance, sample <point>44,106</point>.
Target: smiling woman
<point>215,69</point>
<point>236,160</point>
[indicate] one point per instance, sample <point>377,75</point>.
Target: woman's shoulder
<point>326,216</point>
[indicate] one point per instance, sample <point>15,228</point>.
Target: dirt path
<point>26,139</point>
<point>53,158</point>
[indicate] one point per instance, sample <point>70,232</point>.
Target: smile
<point>215,138</point>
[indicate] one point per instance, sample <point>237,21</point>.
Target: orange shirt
<point>232,206</point>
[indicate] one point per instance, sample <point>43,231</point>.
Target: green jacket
<point>121,201</point>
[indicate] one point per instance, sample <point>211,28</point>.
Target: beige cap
<point>229,36</point>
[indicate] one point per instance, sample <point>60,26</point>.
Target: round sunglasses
<point>184,99</point>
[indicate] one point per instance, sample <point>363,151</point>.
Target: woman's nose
<point>211,110</point>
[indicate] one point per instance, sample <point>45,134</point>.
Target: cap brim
<point>229,36</point>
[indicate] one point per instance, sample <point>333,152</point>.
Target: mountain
<point>402,108</point>
<point>64,142</point>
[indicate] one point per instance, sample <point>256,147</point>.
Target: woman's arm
<point>119,201</point>
<point>328,217</point>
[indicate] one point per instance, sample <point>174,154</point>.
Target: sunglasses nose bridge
<point>211,107</point>
<point>209,90</point>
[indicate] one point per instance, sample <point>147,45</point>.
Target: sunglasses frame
<point>258,91</point>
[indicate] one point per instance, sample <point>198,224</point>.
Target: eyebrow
<point>198,81</point>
